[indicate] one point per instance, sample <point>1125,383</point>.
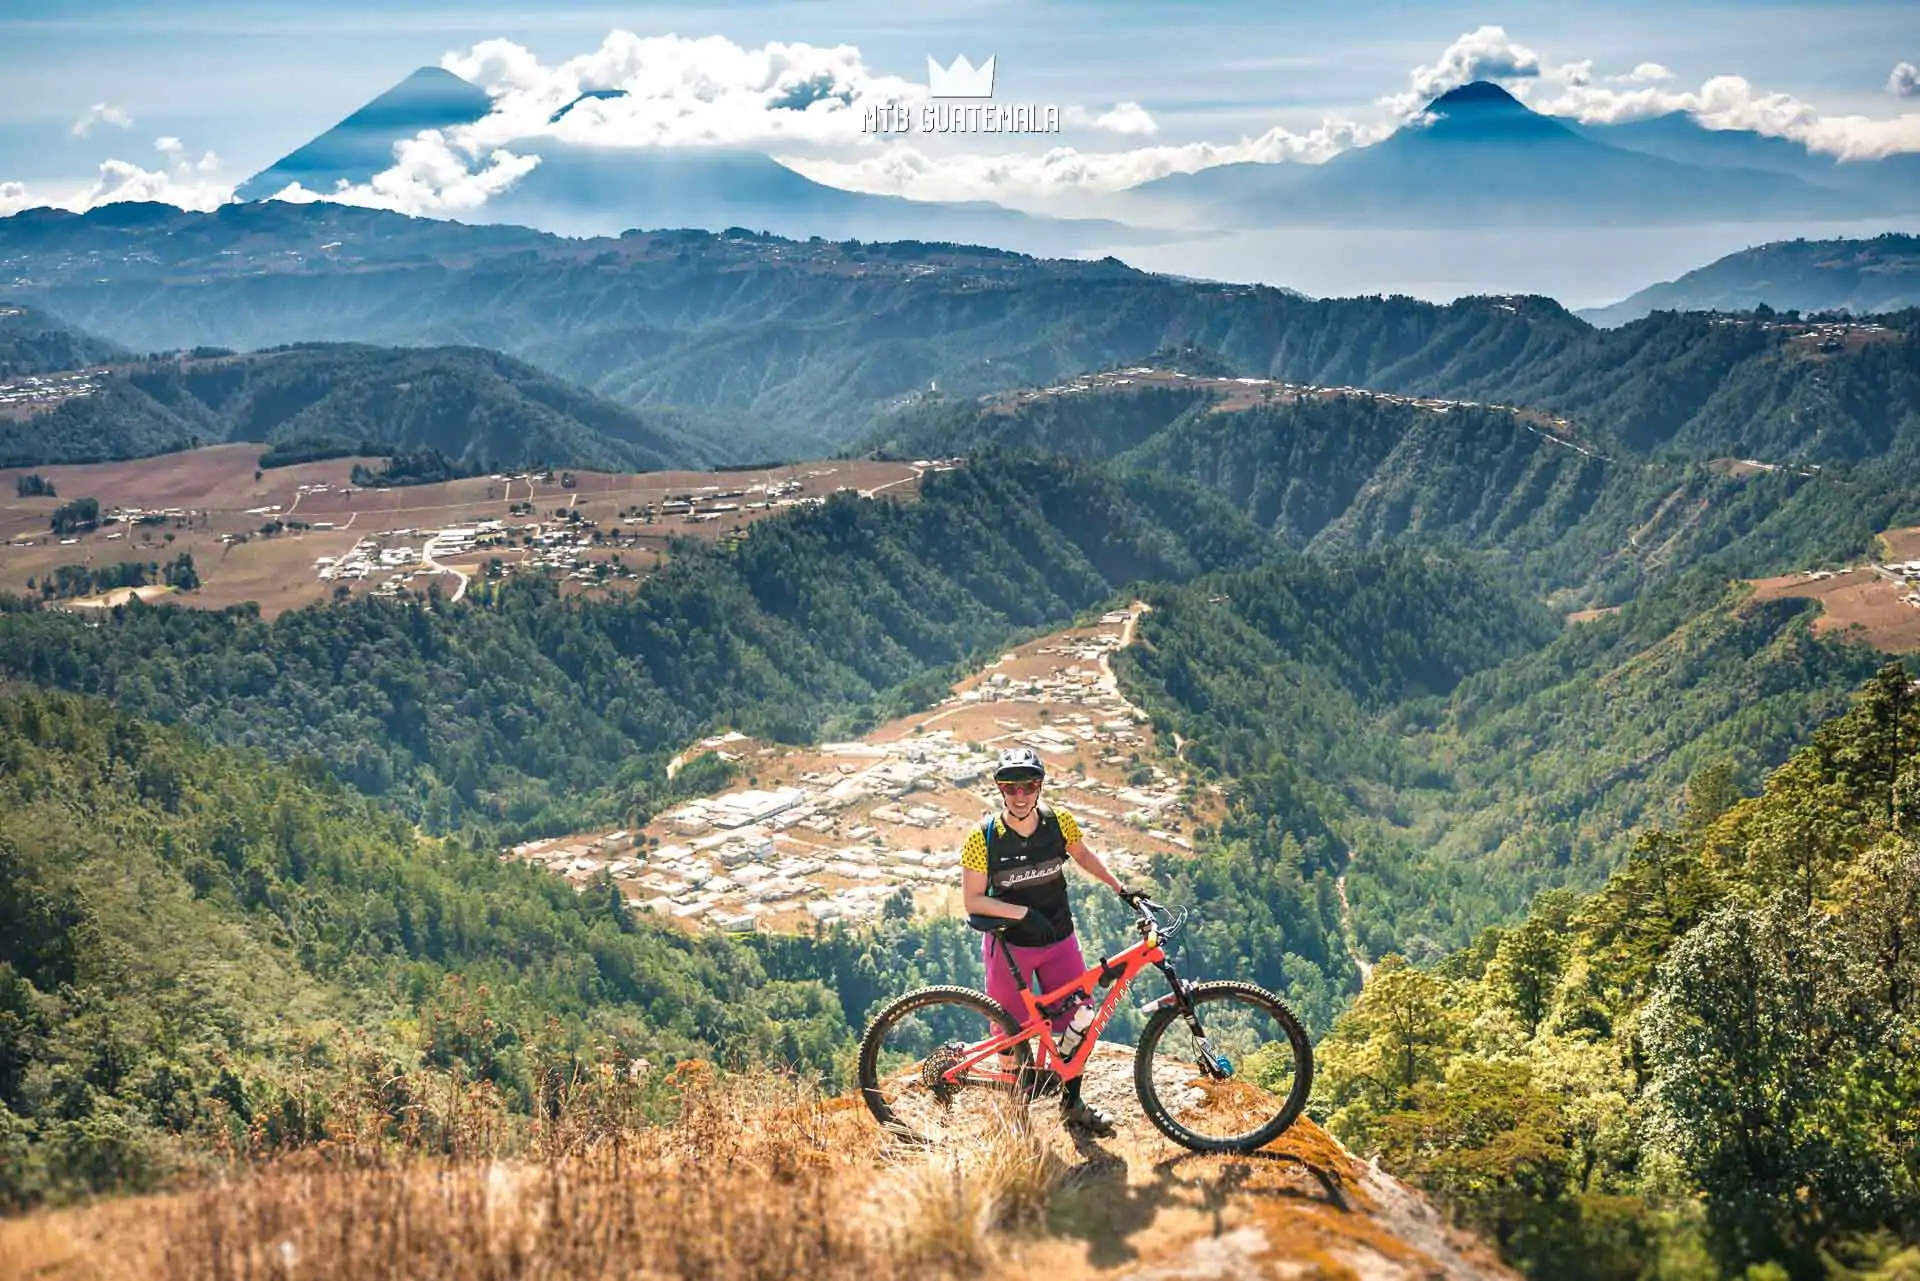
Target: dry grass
<point>758,1177</point>
<point>751,1176</point>
<point>942,1209</point>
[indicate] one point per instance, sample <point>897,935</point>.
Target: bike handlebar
<point>1158,916</point>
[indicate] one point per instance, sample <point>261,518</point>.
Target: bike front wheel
<point>908,1049</point>
<point>1230,1079</point>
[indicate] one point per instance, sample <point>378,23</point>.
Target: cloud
<point>1484,54</point>
<point>1645,73</point>
<point>1732,102</point>
<point>429,177</point>
<point>1722,102</point>
<point>902,169</point>
<point>1904,82</point>
<point>669,91</point>
<point>802,103</point>
<point>1128,118</point>
<point>186,184</point>
<point>101,114</point>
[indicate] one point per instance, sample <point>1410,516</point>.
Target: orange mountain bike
<point>1219,1067</point>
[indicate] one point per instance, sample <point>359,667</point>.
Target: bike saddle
<point>990,924</point>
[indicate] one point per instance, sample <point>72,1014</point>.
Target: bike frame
<point>1120,971</point>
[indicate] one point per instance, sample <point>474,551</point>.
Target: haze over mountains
<point>579,190</point>
<point>1477,156</point>
<point>1480,156</point>
<point>1858,276</point>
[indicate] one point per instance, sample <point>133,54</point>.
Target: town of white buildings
<point>860,823</point>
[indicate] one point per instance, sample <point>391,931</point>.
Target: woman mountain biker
<point>1014,867</point>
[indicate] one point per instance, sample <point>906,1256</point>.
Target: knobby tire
<point>872,1043</point>
<point>1204,994</point>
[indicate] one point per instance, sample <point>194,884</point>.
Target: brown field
<point>1901,544</point>
<point>1865,601</point>
<point>1589,615</point>
<point>215,497</point>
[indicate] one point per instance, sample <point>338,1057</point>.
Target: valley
<point>848,831</point>
<point>510,605</point>
<point>1382,633</point>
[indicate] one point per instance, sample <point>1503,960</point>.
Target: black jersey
<point>1028,870</point>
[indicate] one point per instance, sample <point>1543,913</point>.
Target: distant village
<point>859,825</point>
<point>1242,393</point>
<point>33,392</point>
<point>561,542</point>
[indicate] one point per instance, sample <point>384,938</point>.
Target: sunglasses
<point>1020,789</point>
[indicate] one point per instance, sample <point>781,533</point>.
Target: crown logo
<point>962,79</point>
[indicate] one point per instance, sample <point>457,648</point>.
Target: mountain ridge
<point>36,342</point>
<point>1863,277</point>
<point>1575,507</point>
<point>478,408</point>
<point>1477,156</point>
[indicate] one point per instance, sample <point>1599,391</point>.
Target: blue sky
<point>251,80</point>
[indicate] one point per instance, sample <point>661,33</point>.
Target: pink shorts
<point>1054,965</point>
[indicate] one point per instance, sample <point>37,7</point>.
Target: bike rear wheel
<point>1242,1104</point>
<point>908,1045</point>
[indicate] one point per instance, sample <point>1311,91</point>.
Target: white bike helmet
<point>1019,763</point>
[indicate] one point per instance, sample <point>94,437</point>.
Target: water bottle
<point>1076,1029</point>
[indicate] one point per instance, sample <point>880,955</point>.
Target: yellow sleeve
<point>1069,829</point>
<point>973,855</point>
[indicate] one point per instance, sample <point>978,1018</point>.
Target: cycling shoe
<point>1084,1118</point>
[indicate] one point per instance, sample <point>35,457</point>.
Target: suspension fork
<point>1213,1063</point>
<point>1179,991</point>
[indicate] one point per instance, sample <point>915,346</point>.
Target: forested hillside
<point>1572,509</point>
<point>1493,756</point>
<point>1706,1065</point>
<point>477,408</point>
<point>32,342</point>
<point>815,337</point>
<point>204,951</point>
<point>527,709</point>
<point>259,879</point>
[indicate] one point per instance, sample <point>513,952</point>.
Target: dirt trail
<point>428,563</point>
<point>1138,1207</point>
